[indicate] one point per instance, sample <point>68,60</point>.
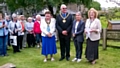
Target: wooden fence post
<point>104,39</point>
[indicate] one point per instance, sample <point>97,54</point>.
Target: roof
<point>115,22</point>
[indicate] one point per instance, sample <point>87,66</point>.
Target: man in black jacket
<point>64,24</point>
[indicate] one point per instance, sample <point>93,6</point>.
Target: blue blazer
<point>79,35</point>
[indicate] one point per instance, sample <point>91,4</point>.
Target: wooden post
<point>104,39</point>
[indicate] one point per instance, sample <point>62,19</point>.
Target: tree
<point>27,5</point>
<point>95,5</point>
<point>30,5</point>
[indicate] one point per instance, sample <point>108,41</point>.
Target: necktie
<point>64,15</point>
<point>48,28</point>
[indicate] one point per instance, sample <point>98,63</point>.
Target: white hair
<point>38,16</point>
<point>29,18</point>
<point>63,5</point>
<point>14,15</point>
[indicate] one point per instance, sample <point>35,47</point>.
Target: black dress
<point>91,52</point>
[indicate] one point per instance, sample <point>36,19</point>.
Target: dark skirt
<point>91,52</point>
<point>48,45</point>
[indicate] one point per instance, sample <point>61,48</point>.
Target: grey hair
<point>63,5</point>
<point>79,13</point>
<point>38,16</point>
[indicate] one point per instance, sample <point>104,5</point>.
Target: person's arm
<point>26,27</point>
<point>20,27</point>
<point>52,30</point>
<point>73,29</point>
<point>82,29</point>
<point>98,29</point>
<point>99,26</point>
<point>43,28</point>
<point>70,26</point>
<point>9,27</point>
<point>57,25</point>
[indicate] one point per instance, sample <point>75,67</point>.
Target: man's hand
<point>73,35</point>
<point>64,32</point>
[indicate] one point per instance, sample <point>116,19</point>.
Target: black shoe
<point>18,51</point>
<point>68,59</point>
<point>61,59</point>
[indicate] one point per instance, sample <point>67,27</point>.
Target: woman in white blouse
<point>48,36</point>
<point>92,30</point>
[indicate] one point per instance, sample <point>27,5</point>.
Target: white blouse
<point>44,26</point>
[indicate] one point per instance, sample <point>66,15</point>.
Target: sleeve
<point>70,26</point>
<point>20,26</point>
<point>52,29</point>
<point>82,29</point>
<point>26,27</point>
<point>57,25</point>
<point>9,27</point>
<point>99,27</point>
<point>73,28</point>
<point>43,28</point>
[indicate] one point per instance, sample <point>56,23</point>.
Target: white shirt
<point>76,25</point>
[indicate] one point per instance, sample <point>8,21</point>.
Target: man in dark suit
<point>64,25</point>
<point>78,37</point>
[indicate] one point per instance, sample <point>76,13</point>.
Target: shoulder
<point>97,20</point>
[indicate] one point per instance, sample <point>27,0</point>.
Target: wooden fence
<point>109,34</point>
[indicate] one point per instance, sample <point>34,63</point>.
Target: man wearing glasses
<point>64,24</point>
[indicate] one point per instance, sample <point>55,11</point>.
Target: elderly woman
<point>78,37</point>
<point>37,30</point>
<point>3,36</point>
<point>15,28</point>
<point>29,30</point>
<point>48,36</point>
<point>92,30</point>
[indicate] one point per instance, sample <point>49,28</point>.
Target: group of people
<point>20,30</point>
<point>66,25</point>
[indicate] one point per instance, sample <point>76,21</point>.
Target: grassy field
<point>32,58</point>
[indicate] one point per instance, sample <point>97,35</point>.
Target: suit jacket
<point>80,31</point>
<point>96,25</point>
<point>64,26</point>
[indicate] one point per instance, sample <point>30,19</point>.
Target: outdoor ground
<point>32,58</point>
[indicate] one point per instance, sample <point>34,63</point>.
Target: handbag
<point>13,40</point>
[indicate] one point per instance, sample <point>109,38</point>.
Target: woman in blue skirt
<point>48,36</point>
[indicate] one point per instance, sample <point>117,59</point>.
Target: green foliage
<point>95,5</point>
<point>26,4</point>
<point>104,21</point>
<point>113,13</point>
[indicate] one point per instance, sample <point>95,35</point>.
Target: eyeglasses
<point>64,8</point>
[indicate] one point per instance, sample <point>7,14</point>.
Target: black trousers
<point>8,39</point>
<point>65,46</point>
<point>16,48</point>
<point>20,39</point>
<point>78,49</point>
<point>30,40</point>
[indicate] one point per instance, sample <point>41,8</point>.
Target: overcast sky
<point>106,4</point>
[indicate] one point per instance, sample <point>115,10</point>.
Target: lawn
<point>32,58</point>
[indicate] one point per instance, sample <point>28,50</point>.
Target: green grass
<point>32,58</point>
